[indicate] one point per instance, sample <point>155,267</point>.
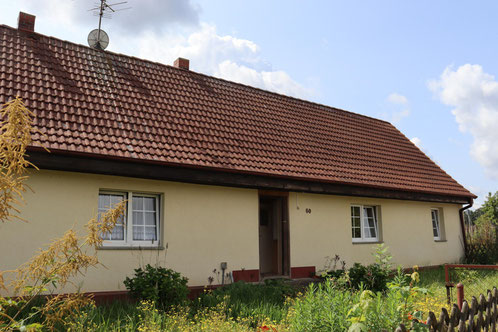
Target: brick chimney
<point>181,63</point>
<point>26,22</point>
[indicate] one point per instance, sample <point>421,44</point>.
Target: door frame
<point>282,198</point>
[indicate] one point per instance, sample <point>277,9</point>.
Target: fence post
<point>460,295</point>
<point>448,284</point>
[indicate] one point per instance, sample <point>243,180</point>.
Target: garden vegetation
<point>361,298</point>
<point>482,233</point>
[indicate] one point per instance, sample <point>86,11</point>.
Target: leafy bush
<point>158,284</point>
<point>372,277</point>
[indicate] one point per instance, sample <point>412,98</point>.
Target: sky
<point>426,66</point>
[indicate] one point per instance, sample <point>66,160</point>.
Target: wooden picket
<point>480,315</point>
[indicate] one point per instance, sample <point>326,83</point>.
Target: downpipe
<point>462,223</point>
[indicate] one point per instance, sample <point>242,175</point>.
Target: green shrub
<point>164,287</point>
<point>372,277</point>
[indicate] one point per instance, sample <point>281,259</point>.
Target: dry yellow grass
<point>65,257</point>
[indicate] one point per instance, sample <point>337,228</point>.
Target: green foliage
<point>250,302</point>
<point>158,284</point>
<point>383,257</point>
<point>375,312</point>
<point>375,276</point>
<point>482,235</point>
<point>482,242</point>
<point>386,311</point>
<point>372,277</point>
<point>490,209</point>
<point>323,307</point>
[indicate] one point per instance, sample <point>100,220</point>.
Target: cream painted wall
<point>406,230</point>
<point>202,226</point>
<point>206,225</point>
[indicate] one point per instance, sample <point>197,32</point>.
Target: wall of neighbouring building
<point>206,225</point>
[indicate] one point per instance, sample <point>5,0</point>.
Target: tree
<point>490,208</point>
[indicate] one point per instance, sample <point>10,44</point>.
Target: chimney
<point>181,63</point>
<point>26,22</point>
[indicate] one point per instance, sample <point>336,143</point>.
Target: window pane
<point>435,223</point>
<point>138,203</point>
<point>435,231</point>
<point>368,212</point>
<point>150,218</point>
<point>117,233</point>
<point>149,204</point>
<point>355,211</point>
<point>370,231</point>
<point>150,233</point>
<point>116,199</point>
<point>355,222</point>
<point>144,218</point>
<point>138,218</point>
<point>138,233</point>
<point>356,233</point>
<point>104,201</point>
<point>369,222</point>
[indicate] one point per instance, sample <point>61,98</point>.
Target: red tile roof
<point>112,105</point>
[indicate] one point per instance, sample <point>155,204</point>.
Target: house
<point>214,171</point>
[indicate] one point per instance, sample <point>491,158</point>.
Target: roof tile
<point>114,105</point>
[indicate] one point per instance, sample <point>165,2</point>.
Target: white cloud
<point>142,15</point>
<point>473,94</point>
<point>421,146</point>
<point>399,108</point>
<point>481,195</point>
<point>396,98</point>
<point>277,81</point>
<point>162,30</point>
<point>226,57</point>
<point>417,141</point>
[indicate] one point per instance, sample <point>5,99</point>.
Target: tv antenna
<point>98,38</point>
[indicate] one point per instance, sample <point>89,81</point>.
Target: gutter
<point>462,223</point>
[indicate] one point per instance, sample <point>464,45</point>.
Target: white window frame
<point>128,229</point>
<point>438,224</point>
<point>362,224</point>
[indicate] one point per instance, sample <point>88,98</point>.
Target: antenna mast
<point>98,34</point>
<point>102,8</point>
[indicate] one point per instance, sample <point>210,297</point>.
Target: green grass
<point>250,302</point>
<point>475,282</point>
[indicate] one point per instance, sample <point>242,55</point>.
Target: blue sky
<point>426,66</point>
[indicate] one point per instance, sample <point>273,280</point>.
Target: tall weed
<point>322,307</point>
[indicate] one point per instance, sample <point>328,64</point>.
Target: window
<point>140,224</point>
<point>436,224</point>
<point>364,223</point>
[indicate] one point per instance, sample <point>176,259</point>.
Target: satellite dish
<point>98,39</point>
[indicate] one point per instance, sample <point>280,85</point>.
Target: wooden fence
<point>480,315</point>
